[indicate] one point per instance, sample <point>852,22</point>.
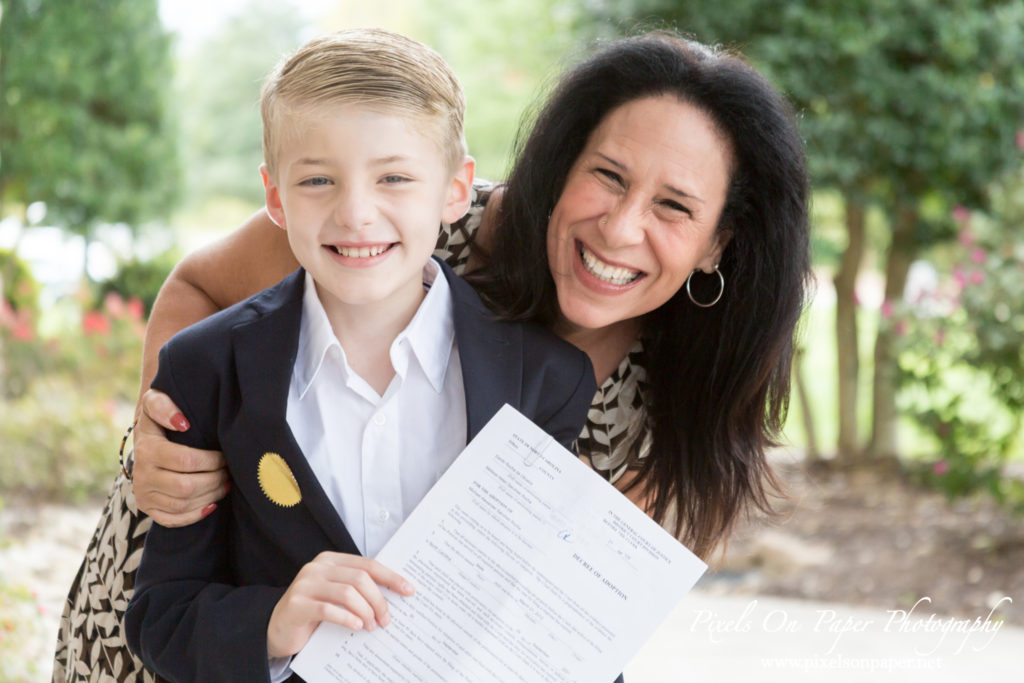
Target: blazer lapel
<point>265,350</point>
<point>491,354</point>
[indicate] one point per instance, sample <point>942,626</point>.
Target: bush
<point>67,399</point>
<point>961,358</point>
<point>140,279</point>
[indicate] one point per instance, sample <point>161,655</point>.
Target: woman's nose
<point>623,225</point>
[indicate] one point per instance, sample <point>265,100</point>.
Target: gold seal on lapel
<point>277,481</point>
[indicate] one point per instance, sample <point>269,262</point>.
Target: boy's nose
<point>354,211</point>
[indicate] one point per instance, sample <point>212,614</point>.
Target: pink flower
<point>114,304</point>
<point>940,467</point>
<point>135,308</point>
<point>959,277</point>
<point>1020,139</point>
<point>978,255</point>
<point>22,329</point>
<point>977,277</point>
<point>95,322</point>
<point>6,314</point>
<point>110,408</point>
<point>886,309</point>
<point>900,328</point>
<point>965,238</point>
<point>961,214</point>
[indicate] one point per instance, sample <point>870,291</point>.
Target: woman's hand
<point>336,587</point>
<point>174,484</point>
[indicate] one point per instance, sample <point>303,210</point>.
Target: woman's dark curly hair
<point>718,378</point>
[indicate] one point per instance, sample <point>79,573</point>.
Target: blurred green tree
<point>911,106</point>
<point>83,116</point>
<point>218,94</point>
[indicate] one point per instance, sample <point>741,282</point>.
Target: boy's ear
<point>275,209</point>
<point>460,191</point>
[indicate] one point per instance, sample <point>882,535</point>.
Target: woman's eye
<point>315,181</point>
<point>676,206</point>
<point>610,175</point>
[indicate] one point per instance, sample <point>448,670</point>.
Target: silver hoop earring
<point>721,290</point>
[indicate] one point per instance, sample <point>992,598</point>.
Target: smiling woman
<point>638,213</point>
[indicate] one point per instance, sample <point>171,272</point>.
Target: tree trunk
<point>810,430</point>
<point>847,357</point>
<point>901,254</point>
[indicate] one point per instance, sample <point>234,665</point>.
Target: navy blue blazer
<point>204,593</point>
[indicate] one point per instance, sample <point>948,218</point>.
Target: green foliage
<point>83,124</point>
<point>218,91</point>
<point>20,290</point>
<point>962,354</point>
<point>140,279</point>
<point>898,99</point>
<point>505,52</point>
<point>20,628</point>
<point>66,400</point>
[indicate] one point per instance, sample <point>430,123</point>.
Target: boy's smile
<point>361,192</point>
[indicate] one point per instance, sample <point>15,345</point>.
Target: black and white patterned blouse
<point>90,642</point>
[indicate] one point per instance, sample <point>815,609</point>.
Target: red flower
<point>977,277</point>
<point>95,322</point>
<point>978,255</point>
<point>1020,139</point>
<point>940,467</point>
<point>135,308</point>
<point>886,309</point>
<point>114,304</point>
<point>22,329</point>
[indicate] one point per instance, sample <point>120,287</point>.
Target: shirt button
<point>379,419</point>
<point>383,515</point>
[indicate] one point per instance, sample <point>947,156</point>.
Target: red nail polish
<point>179,422</point>
<point>208,510</point>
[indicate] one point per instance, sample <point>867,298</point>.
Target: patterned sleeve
<point>456,239</point>
<point>90,641</point>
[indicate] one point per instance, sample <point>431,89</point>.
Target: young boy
<point>342,394</point>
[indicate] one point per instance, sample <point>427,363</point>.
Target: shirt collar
<point>430,334</point>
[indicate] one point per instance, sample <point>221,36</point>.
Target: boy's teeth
<point>615,275</point>
<point>360,252</point>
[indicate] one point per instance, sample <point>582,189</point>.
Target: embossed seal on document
<point>277,481</point>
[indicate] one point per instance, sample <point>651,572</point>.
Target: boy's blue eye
<point>316,181</point>
<point>393,179</point>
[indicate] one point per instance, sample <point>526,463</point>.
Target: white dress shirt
<point>377,456</point>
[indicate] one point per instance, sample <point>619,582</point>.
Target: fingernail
<point>370,625</point>
<point>407,588</point>
<point>385,620</point>
<point>179,422</point>
<point>208,510</point>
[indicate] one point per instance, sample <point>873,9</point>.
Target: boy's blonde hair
<point>369,67</point>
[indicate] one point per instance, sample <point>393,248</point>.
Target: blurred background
<point>130,135</point>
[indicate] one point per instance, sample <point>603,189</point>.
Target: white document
<point>528,566</point>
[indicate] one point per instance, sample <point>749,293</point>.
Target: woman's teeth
<point>615,275</point>
<point>360,252</point>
